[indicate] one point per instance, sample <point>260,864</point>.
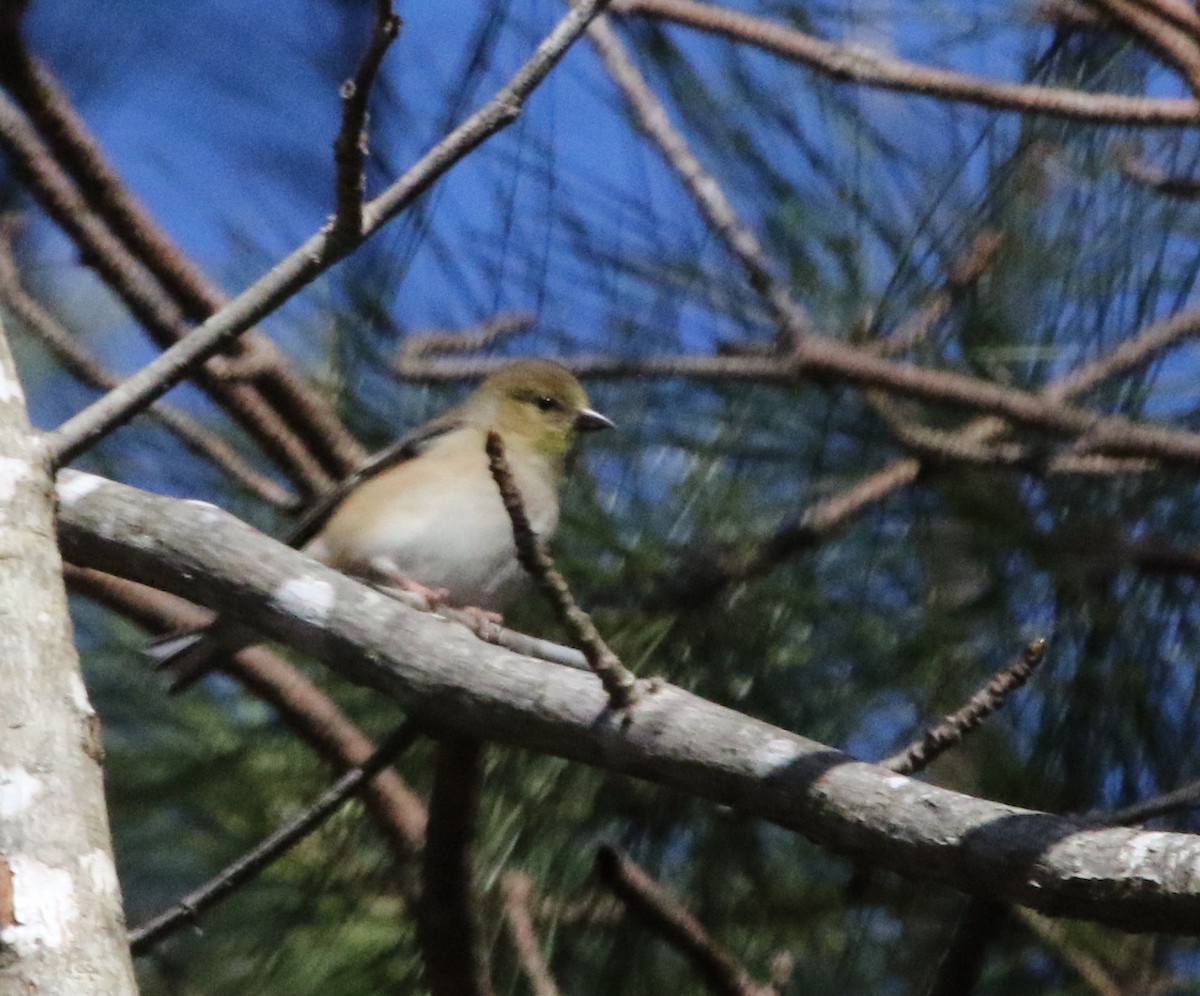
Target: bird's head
<point>536,404</point>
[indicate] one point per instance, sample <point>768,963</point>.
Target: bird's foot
<point>483,617</point>
<point>395,583</point>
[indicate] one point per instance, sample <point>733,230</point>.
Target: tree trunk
<point>62,931</point>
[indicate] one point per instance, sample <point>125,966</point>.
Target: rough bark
<point>442,674</point>
<point>62,931</point>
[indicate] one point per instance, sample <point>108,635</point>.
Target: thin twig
<point>820,522</point>
<point>351,145</point>
<point>1177,800</point>
<point>319,252</point>
<point>663,912</point>
<point>516,888</point>
<point>1054,937</point>
<point>618,681</point>
<point>81,365</point>
<point>1139,169</point>
<point>950,446</point>
<point>446,928</point>
<point>862,66</point>
<point>1148,26</point>
<point>738,238</point>
<point>810,356</point>
<point>447,341</point>
<point>253,862</point>
<point>954,728</point>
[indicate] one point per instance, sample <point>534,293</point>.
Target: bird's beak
<point>587,420</point>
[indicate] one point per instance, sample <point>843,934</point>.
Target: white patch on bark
<point>43,905</point>
<point>12,472</point>
<point>896,782</point>
<point>73,485</point>
<point>18,789</point>
<point>99,872</point>
<point>10,388</point>
<point>1134,854</point>
<point>79,695</point>
<point>306,598</point>
<point>772,755</point>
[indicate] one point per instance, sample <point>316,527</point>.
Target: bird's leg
<point>387,577</point>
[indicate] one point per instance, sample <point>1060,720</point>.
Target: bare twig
<point>252,863</point>
<point>1181,799</point>
<point>953,729</point>
<point>706,194</point>
<point>351,145</point>
<point>823,520</point>
<point>963,272</point>
<point>77,152</point>
<point>618,681</point>
<point>446,928</point>
<point>516,887</point>
<point>859,65</point>
<point>939,446</point>
<point>663,913</point>
<point>822,359</point>
<point>318,253</point>
<point>34,317</point>
<point>448,341</point>
<point>1146,24</point>
<point>422,369</point>
<point>1054,937</point>
<point>1139,169</point>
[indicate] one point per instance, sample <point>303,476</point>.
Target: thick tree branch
<point>441,674</point>
<point>251,864</point>
<point>319,253</point>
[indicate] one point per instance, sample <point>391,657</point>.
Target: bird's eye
<point>547,403</point>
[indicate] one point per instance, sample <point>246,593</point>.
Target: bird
<point>425,515</point>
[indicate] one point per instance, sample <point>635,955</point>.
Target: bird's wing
<point>189,653</point>
<point>405,448</point>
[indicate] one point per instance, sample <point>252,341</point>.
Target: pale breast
<point>438,519</point>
